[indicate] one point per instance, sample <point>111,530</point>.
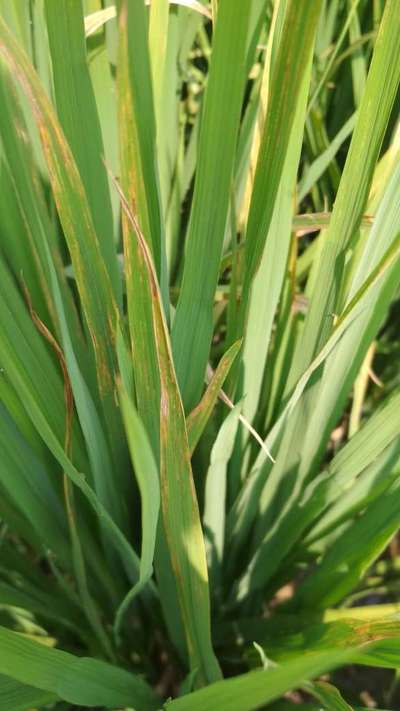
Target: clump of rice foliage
<point>199,253</point>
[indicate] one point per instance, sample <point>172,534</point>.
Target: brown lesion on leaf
<point>68,396</point>
<point>164,405</point>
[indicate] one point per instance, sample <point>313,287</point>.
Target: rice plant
<point>199,273</point>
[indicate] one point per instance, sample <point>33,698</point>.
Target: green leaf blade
<point>192,327</point>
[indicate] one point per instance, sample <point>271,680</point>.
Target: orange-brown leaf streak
<point>160,328</point>
<point>67,484</point>
<point>69,408</point>
<point>68,396</point>
<point>48,133</point>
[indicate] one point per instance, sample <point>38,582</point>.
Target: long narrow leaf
<point>92,279</point>
<point>192,327</point>
<point>73,92</point>
<point>178,496</point>
<point>292,56</point>
<point>198,418</point>
<point>148,480</point>
<point>78,680</point>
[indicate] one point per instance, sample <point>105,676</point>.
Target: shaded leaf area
<point>87,682</point>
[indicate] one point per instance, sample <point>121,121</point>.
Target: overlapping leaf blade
<point>183,531</point>
<point>73,93</point>
<point>19,697</point>
<point>79,680</point>
<point>192,327</point>
<point>97,299</point>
